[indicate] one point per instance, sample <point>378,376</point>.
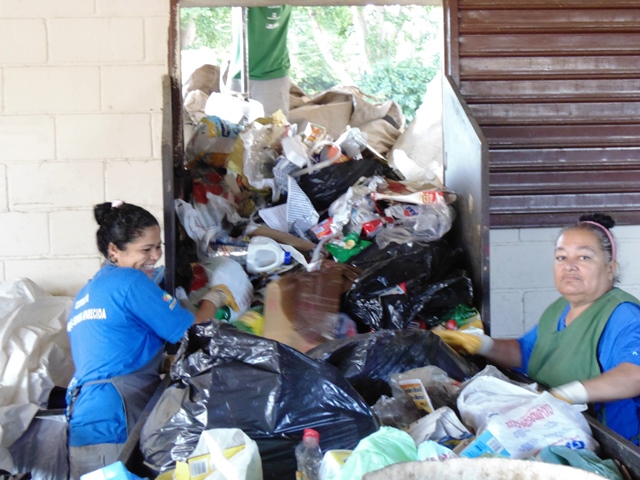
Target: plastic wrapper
<point>442,426</point>
<point>368,360</point>
<point>398,412</point>
<point>212,142</point>
<point>407,285</point>
<point>226,378</point>
<point>427,222</point>
<point>430,387</point>
<point>260,157</point>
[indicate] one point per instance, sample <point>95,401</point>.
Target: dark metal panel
<point>466,173</point>
<point>168,188</point>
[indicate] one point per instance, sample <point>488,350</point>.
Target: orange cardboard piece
<point>279,314</point>
<point>299,306</point>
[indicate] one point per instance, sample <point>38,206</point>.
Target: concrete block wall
<point>521,272</point>
<point>80,123</point>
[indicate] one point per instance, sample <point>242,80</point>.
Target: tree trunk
<point>360,28</point>
<point>337,70</point>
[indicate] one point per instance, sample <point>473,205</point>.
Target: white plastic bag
<point>227,453</point>
<point>35,356</point>
<point>518,423</point>
<point>225,271</point>
<point>441,426</point>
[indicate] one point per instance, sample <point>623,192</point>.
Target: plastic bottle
<point>308,455</point>
<point>264,254</point>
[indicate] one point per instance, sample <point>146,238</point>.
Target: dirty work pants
<point>272,94</point>
<point>92,457</point>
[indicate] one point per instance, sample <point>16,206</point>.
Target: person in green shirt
<point>586,346</point>
<point>269,61</point>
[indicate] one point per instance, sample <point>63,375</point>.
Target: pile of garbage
<point>247,406</point>
<point>276,205</point>
<point>334,246</point>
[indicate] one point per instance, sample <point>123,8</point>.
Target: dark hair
<point>606,223</point>
<point>120,224</point>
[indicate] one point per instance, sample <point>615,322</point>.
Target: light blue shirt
<point>119,322</point>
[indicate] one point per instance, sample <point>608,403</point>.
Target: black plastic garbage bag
<point>425,303</point>
<point>231,379</point>
<point>326,185</point>
<point>367,360</point>
<point>427,286</point>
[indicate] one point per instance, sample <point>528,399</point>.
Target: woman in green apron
<point>586,346</point>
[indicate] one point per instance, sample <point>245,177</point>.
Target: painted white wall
<point>80,123</point>
<point>521,274</point>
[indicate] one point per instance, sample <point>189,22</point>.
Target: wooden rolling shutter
<point>555,88</point>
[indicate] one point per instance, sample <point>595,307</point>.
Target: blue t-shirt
<point>119,322</point>
<point>619,342</point>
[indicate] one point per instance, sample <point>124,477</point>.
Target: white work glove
<point>220,295</point>
<point>470,343</point>
<point>572,392</point>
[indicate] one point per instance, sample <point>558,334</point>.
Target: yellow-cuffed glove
<point>466,342</point>
<point>220,295</point>
<point>572,392</point>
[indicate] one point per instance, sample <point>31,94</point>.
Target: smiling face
<point>581,271</point>
<point>142,253</point>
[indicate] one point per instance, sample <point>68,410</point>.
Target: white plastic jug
<point>264,254</point>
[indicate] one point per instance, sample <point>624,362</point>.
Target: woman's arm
<point>618,383</point>
<point>206,311</point>
<point>505,353</point>
<point>215,298</point>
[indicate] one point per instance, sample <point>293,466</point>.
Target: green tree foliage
<point>404,82</point>
<point>389,52</point>
<point>207,27</point>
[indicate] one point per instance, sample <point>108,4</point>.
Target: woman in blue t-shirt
<point>587,343</point>
<point>118,326</point>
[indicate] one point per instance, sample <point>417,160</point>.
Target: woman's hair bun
<point>101,211</point>
<point>601,218</point>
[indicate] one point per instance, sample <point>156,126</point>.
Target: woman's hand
<point>470,343</point>
<point>572,392</point>
<point>220,295</point>
<point>215,298</point>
